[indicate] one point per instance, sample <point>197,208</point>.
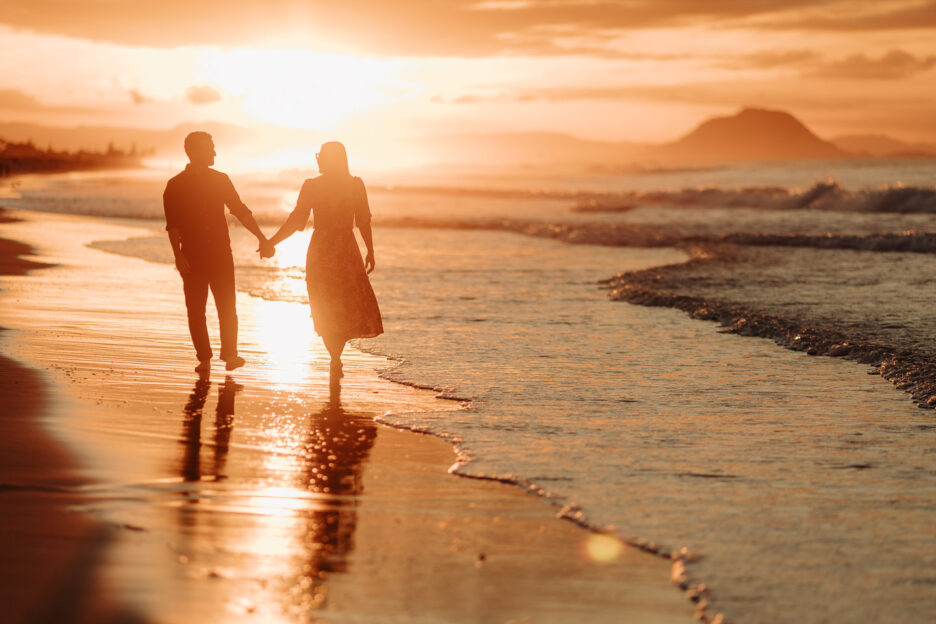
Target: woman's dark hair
<point>333,159</point>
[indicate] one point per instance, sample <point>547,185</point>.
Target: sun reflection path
<point>290,345</point>
<point>283,520</point>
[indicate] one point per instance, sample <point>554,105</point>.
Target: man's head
<point>200,149</point>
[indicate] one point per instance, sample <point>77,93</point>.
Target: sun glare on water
<point>287,334</point>
<point>297,88</point>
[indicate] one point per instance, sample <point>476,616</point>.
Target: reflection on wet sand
<point>302,529</point>
<point>191,428</point>
<point>336,448</point>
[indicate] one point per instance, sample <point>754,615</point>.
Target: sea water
<point>807,487</point>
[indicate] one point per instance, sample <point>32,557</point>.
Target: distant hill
<point>490,149</point>
<point>882,146</point>
<point>97,138</point>
<point>752,134</point>
<point>160,143</point>
<point>528,149</point>
<point>17,158</point>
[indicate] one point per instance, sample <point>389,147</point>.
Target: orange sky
<point>636,70</point>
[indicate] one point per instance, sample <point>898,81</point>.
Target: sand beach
<point>133,490</point>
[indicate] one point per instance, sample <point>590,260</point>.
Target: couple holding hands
<point>340,295</point>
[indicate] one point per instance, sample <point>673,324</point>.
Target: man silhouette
<point>194,202</point>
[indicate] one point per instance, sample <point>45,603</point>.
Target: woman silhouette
<point>340,295</point>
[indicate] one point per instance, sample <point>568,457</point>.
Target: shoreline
<point>534,538</point>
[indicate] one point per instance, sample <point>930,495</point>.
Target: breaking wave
<point>828,195</point>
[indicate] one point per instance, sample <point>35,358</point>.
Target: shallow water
<point>778,467</point>
<point>808,486</point>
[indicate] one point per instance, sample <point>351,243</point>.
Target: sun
<point>296,88</point>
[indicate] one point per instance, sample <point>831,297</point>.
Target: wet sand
<point>49,553</point>
<point>268,494</point>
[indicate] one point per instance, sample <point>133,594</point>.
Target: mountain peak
<point>757,111</point>
<point>751,134</point>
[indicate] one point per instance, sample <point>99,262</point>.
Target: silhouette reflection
<point>191,428</point>
<point>336,449</point>
<point>292,540</point>
<point>224,424</point>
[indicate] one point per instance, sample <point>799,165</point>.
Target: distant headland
<point>19,158</point>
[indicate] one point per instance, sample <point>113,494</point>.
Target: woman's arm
<point>296,221</point>
<point>289,227</point>
<point>362,218</point>
<point>268,247</point>
<point>368,237</point>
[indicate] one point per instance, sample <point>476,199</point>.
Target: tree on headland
<point>27,158</point>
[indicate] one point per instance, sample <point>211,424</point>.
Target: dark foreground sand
<point>49,553</point>
<point>148,494</point>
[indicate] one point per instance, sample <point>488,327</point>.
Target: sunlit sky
<point>630,70</point>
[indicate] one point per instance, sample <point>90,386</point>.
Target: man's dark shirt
<point>194,204</point>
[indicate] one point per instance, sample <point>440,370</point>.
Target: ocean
<point>801,488</point>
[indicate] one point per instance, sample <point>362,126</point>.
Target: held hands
<point>266,249</point>
<point>369,261</point>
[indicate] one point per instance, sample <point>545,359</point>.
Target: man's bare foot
<point>204,366</point>
<point>235,362</point>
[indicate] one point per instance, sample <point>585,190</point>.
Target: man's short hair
<point>194,139</point>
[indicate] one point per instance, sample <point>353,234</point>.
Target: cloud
<point>138,98</point>
<point>894,65</point>
<point>202,94</point>
<point>773,59</point>
<point>786,93</point>
<point>574,40</point>
<point>866,17</point>
<point>560,94</point>
<point>13,100</point>
<point>467,28</point>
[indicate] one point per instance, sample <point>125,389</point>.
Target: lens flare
<point>603,548</point>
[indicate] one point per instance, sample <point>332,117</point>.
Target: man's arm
<point>251,224</point>
<point>240,210</point>
<point>181,262</point>
<point>171,208</point>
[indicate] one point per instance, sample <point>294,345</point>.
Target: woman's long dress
<point>340,294</point>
